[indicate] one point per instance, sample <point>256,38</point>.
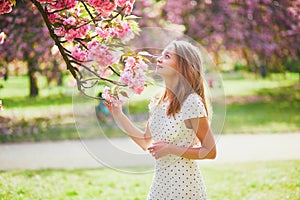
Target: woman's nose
<point>159,59</point>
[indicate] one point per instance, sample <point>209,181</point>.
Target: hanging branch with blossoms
<point>91,36</point>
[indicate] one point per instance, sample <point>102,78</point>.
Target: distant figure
<point>210,83</point>
<point>102,111</point>
<point>1,107</point>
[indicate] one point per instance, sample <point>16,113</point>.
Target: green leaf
<point>124,94</point>
<point>132,17</point>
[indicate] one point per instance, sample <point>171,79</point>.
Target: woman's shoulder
<point>193,98</point>
<point>193,107</point>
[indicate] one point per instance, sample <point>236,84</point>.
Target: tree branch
<point>55,38</point>
<point>90,14</point>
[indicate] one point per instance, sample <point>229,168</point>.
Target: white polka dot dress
<point>176,177</point>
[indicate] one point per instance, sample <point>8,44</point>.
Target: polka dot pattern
<point>176,177</point>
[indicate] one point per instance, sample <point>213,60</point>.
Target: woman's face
<point>167,63</point>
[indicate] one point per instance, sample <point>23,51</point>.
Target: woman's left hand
<point>159,149</point>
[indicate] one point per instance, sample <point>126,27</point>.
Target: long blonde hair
<point>190,77</point>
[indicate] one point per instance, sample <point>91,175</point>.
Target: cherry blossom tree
<point>91,36</point>
<point>27,39</point>
<point>263,32</point>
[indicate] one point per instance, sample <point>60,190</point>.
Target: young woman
<point>178,130</point>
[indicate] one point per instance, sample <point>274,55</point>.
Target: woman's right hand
<point>115,110</point>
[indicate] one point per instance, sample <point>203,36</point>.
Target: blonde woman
<point>178,130</point>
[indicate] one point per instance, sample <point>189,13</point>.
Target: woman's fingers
<point>157,143</point>
<point>155,149</point>
<point>108,105</point>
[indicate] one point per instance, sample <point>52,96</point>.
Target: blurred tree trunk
<point>34,90</point>
<point>57,72</point>
<point>263,68</point>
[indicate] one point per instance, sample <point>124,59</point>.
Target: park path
<point>122,152</point>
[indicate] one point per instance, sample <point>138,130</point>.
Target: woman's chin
<point>159,72</point>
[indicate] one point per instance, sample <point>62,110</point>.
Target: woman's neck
<point>170,85</point>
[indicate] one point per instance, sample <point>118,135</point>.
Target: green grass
<point>18,86</point>
<point>276,180</point>
<point>236,85</point>
<point>262,117</point>
<point>279,113</point>
<point>54,105</point>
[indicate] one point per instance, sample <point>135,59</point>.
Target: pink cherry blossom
<point>104,7</point>
<point>105,32</point>
<point>107,94</point>
<point>60,31</point>
<point>53,17</point>
<point>127,4</point>
<point>79,54</point>
<point>72,29</point>
<point>117,98</point>
<point>5,6</point>
<point>101,54</point>
<point>124,31</point>
<point>60,4</point>
<point>70,21</point>
<point>121,3</point>
<point>130,61</point>
<point>47,1</point>
<point>134,74</point>
<point>104,72</point>
<point>128,9</point>
<point>65,4</point>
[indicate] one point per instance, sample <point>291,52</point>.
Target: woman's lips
<point>158,67</point>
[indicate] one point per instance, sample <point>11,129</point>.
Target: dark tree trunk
<point>58,73</point>
<point>34,90</point>
<point>263,68</point>
<point>6,74</point>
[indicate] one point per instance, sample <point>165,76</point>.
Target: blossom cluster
<point>114,96</point>
<point>106,7</point>
<point>5,6</point>
<point>134,74</point>
<point>61,4</point>
<point>92,34</point>
<point>119,29</point>
<point>102,55</point>
<point>70,26</point>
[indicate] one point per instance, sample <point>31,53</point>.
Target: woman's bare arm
<point>205,136</point>
<point>143,139</point>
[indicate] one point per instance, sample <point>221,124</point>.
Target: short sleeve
<point>193,107</point>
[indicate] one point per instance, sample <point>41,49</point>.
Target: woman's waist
<point>173,160</point>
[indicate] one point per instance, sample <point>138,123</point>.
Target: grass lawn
<point>276,180</point>
<point>54,105</point>
<point>236,84</point>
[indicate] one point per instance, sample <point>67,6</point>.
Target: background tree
<point>27,40</point>
<point>91,36</point>
<point>264,33</point>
